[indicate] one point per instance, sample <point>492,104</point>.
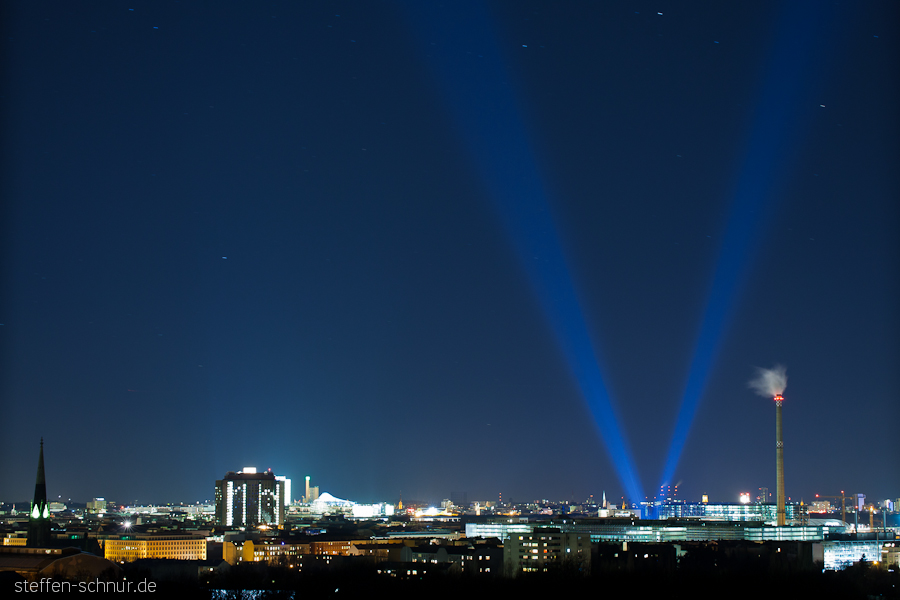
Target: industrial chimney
<point>779,462</point>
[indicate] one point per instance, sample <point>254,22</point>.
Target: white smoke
<point>769,382</point>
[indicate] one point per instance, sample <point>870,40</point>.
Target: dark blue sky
<point>243,234</point>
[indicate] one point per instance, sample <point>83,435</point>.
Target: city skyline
<point>669,493</point>
<point>291,237</point>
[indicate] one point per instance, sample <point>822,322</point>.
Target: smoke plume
<point>769,382</point>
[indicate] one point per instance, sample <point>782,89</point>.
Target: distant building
<point>706,511</point>
<point>96,506</point>
<point>312,492</point>
<point>840,554</point>
<point>326,504</point>
<point>287,489</point>
<point>14,539</point>
<point>372,511</point>
<point>636,530</point>
<point>129,548</point>
<point>544,549</point>
<point>273,551</point>
<point>248,498</point>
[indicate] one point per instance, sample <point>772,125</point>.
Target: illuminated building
<point>14,540</point>
<point>840,554</point>
<point>331,547</point>
<point>133,547</point>
<point>497,529</point>
<point>371,511</point>
<point>248,498</point>
<point>326,504</point>
<point>287,488</point>
<point>272,551</point>
<point>766,513</point>
<point>544,548</point>
<point>97,506</point>
<point>636,530</point>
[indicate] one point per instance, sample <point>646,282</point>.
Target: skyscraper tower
<point>248,498</point>
<point>779,462</point>
<point>39,517</point>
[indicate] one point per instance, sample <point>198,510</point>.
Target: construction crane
<point>843,500</point>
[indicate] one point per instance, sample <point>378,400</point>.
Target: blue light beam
<point>461,49</point>
<point>772,139</point>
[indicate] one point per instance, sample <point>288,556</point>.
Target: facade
<point>477,559</point>
<point>636,530</point>
<point>288,499</point>
<point>380,551</point>
<point>544,549</point>
<point>97,506</point>
<point>248,498</point>
<point>275,550</point>
<point>14,540</point>
<point>269,551</point>
<point>372,511</point>
<point>500,529</point>
<point>796,514</point>
<point>840,554</point>
<point>134,547</point>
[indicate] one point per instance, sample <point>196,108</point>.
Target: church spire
<point>39,517</point>
<point>40,486</point>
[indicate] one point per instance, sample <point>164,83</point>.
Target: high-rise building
<point>39,517</point>
<point>287,489</point>
<point>248,498</point>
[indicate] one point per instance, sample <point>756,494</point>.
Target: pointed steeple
<point>39,517</point>
<point>40,486</point>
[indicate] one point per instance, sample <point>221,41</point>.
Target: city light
<point>774,133</point>
<point>486,110</point>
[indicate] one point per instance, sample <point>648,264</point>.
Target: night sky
<point>268,234</point>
